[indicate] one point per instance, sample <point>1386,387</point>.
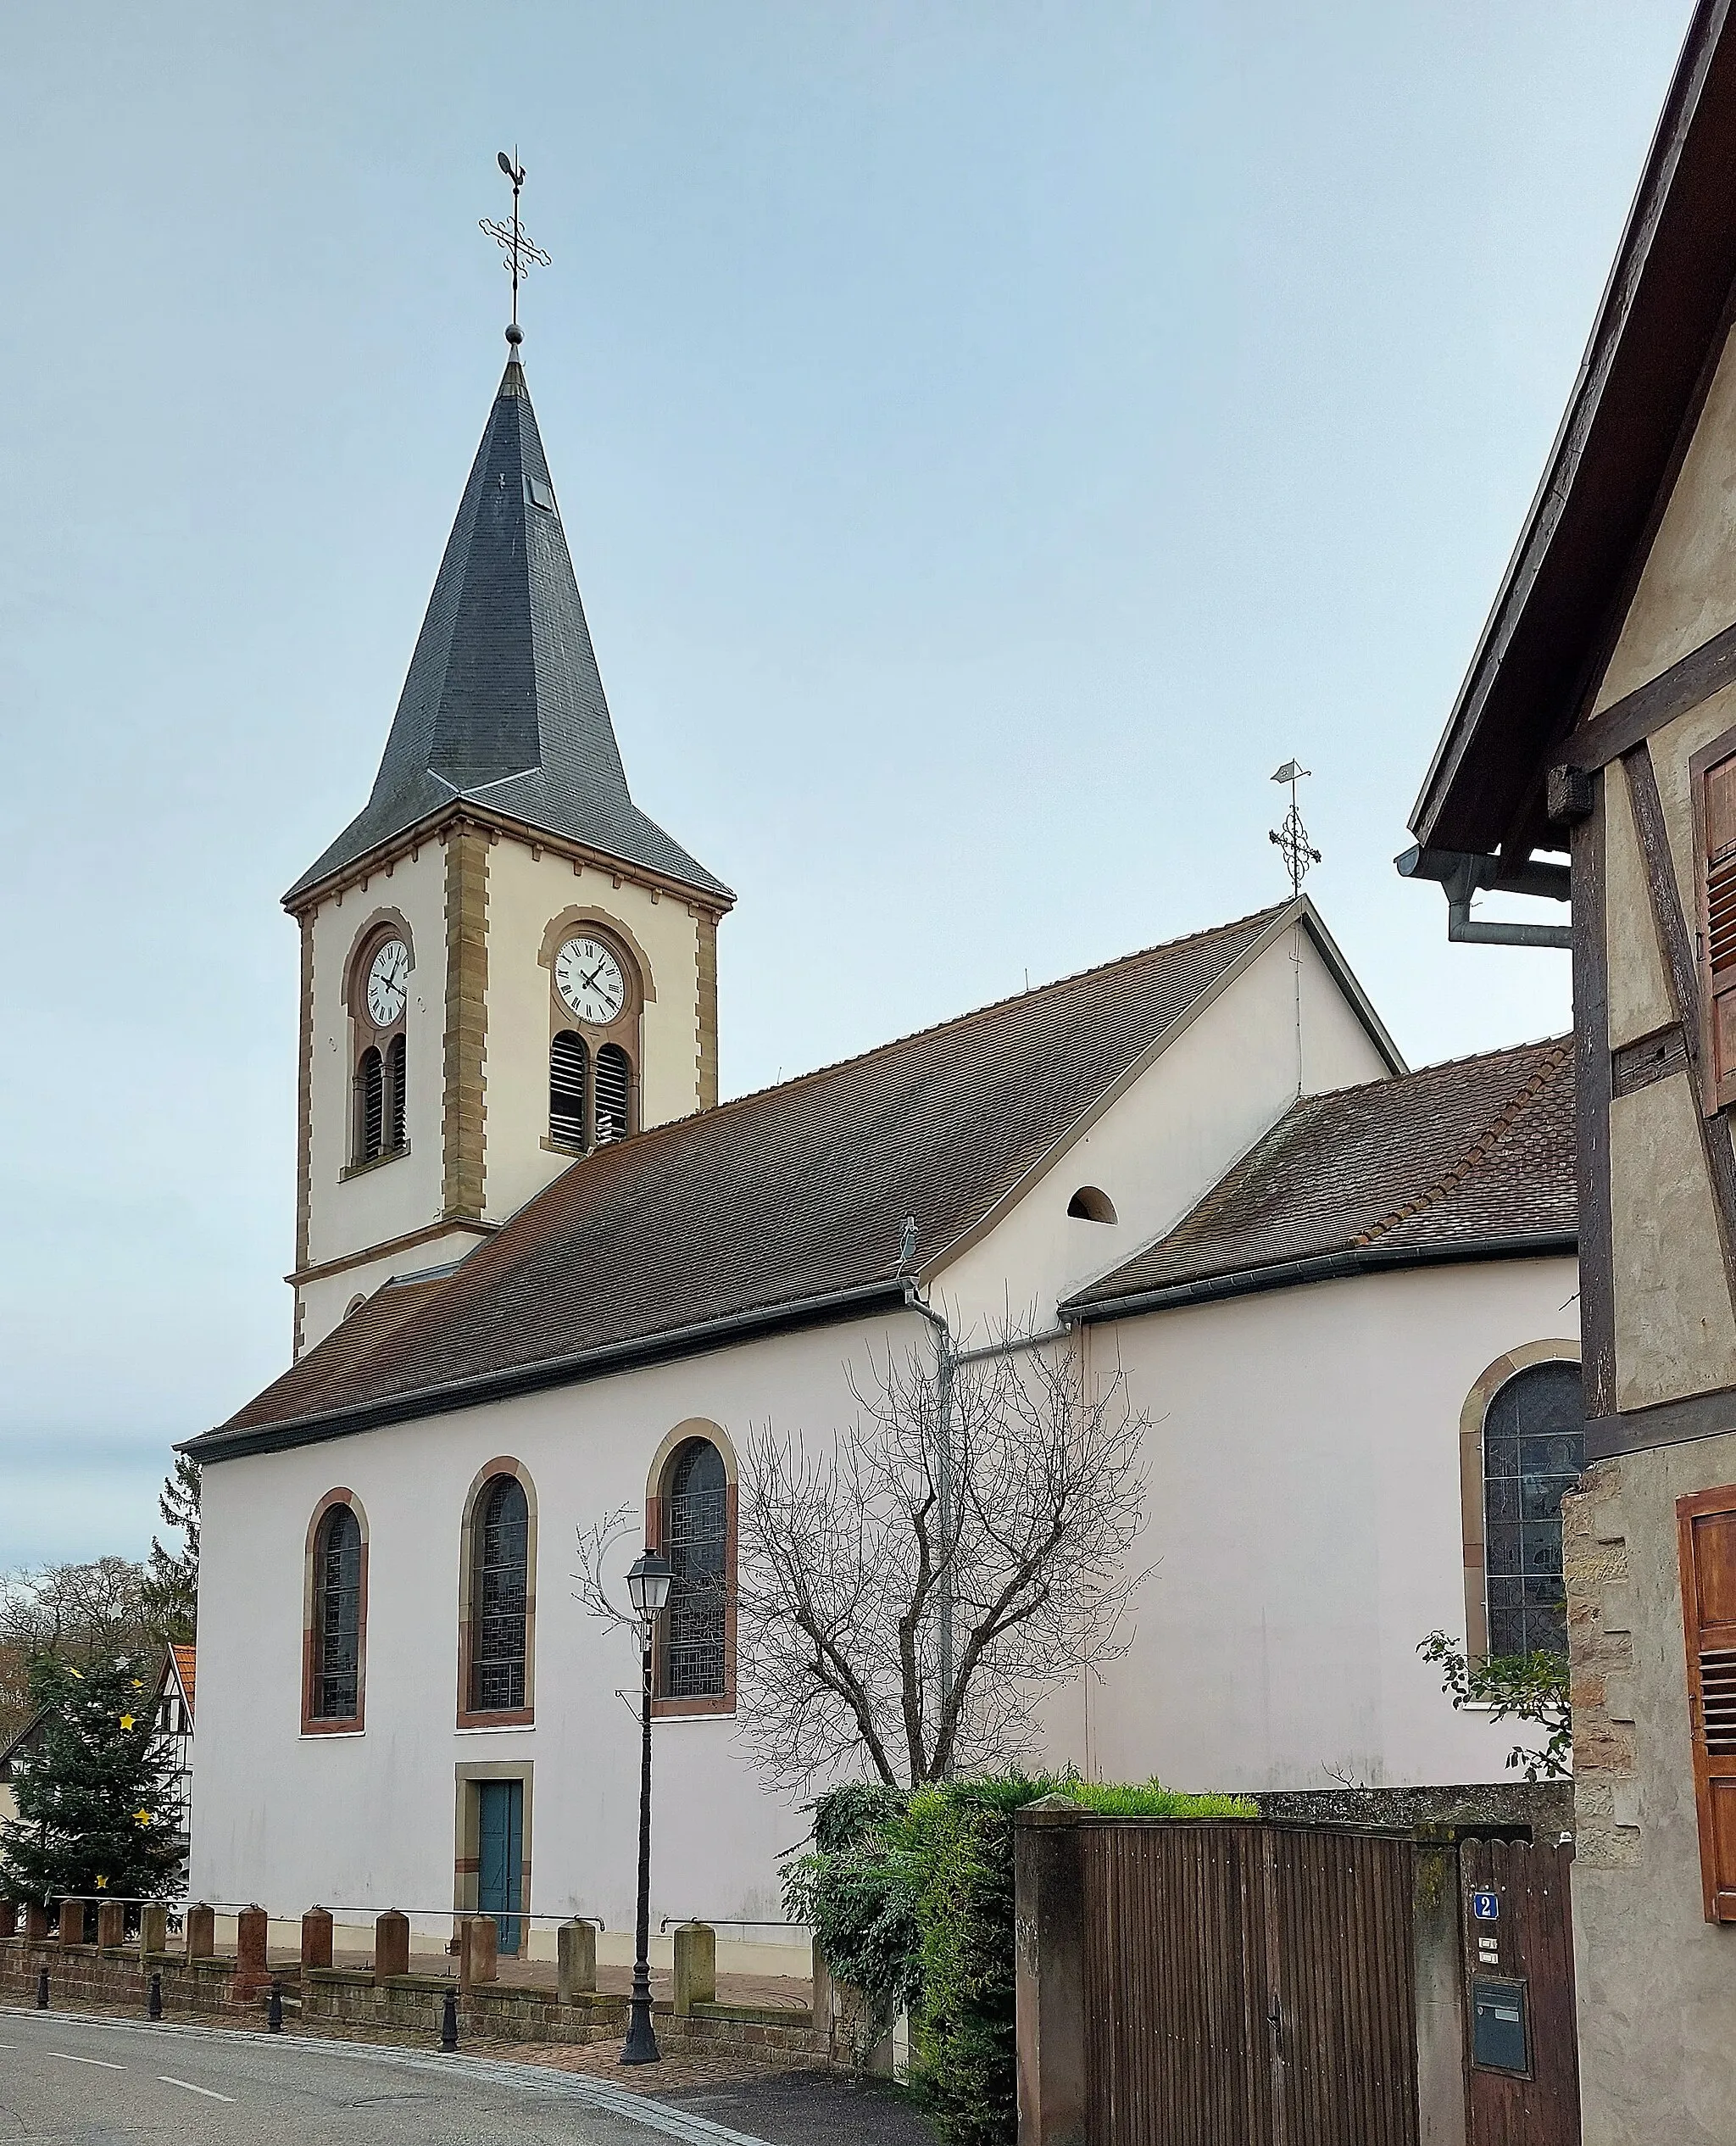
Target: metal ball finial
<point>515,335</point>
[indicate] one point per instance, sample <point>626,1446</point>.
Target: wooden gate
<point>1518,1945</point>
<point>1246,1986</point>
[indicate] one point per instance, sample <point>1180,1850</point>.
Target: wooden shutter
<point>1715,816</point>
<point>1707,1523</point>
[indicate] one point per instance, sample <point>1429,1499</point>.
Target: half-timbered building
<point>1599,717</point>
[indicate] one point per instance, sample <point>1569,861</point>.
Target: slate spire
<point>504,703</point>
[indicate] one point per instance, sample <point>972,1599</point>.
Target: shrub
<point>910,1897</point>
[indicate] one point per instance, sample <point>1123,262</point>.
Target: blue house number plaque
<point>1486,1907</point>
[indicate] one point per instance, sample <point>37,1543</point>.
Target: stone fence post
<point>822,1999</point>
<point>392,1944</point>
<point>35,1923</point>
<point>201,1932</point>
<point>8,1918</point>
<point>316,1937</point>
<point>695,1966</point>
<point>575,1955</point>
<point>153,1927</point>
<point>252,1927</point>
<point>478,1949</point>
<point>72,1922</point>
<point>1438,1989</point>
<point>1049,1971</point>
<point>111,1924</point>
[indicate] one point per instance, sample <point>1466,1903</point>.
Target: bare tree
<point>83,1612</point>
<point>911,1587</point>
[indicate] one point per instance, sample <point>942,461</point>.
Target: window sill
<point>378,1163</point>
<point>315,1732</point>
<point>718,1709</point>
<point>495,1729</point>
<point>562,1147</point>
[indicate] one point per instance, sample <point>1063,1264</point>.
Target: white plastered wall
<point>1307,1530</point>
<point>1170,1136</point>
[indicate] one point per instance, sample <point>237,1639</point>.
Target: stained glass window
<point>500,1597</point>
<point>337,1617</point>
<point>1533,1447</point>
<point>695,1532</point>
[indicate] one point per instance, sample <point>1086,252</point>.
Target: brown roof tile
<point>1445,1159</point>
<point>775,1198</point>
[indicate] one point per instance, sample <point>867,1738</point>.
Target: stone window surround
<point>625,1030</point>
<point>314,1724</point>
<point>470,1717</point>
<point>724,1702</point>
<point>375,929</point>
<point>1488,1383</point>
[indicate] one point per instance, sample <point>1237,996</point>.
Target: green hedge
<point>911,1897</point>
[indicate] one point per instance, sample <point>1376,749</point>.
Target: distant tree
<point>74,1612</point>
<point>96,1810</point>
<point>1531,1688</point>
<point>171,1585</point>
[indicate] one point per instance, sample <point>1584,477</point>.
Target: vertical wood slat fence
<point>1235,1984</point>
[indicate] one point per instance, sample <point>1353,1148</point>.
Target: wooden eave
<point>1637,393</point>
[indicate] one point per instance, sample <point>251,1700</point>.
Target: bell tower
<point>504,963</point>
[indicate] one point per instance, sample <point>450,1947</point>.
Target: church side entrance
<point>491,1868</point>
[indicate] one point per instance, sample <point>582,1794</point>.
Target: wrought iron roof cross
<point>514,241</point>
<point>1291,836</point>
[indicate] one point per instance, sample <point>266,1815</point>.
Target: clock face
<point>388,982</point>
<point>589,978</point>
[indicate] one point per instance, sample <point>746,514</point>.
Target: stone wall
<point>1601,1635</point>
<point>118,1978</point>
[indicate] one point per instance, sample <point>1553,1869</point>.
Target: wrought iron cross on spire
<point>1291,837</point>
<point>514,241</point>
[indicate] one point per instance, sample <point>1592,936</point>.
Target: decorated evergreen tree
<point>96,1802</point>
<point>171,1587</point>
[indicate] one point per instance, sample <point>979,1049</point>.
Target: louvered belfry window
<point>1715,814</point>
<point>500,1597</point>
<point>568,1060</point>
<point>337,1617</point>
<point>614,1084</point>
<point>1707,1525</point>
<point>395,1055</point>
<point>370,1105</point>
<point>696,1542</point>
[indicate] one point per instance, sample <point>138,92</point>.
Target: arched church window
<point>370,1105</point>
<point>569,1065</point>
<point>337,1616</point>
<point>695,1530</point>
<point>614,1089</point>
<point>500,1598</point>
<point>1533,1448</point>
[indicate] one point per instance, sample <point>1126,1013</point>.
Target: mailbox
<point>1500,2036</point>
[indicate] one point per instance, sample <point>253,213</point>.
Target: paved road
<point>67,2081</point>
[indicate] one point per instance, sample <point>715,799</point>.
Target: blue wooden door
<point>500,1856</point>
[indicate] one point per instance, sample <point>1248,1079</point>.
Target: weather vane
<point>514,241</point>
<point>1292,838</point>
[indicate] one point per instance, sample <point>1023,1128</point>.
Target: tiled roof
<point>1475,1152</point>
<point>186,1665</point>
<point>797,1192</point>
<point>503,703</point>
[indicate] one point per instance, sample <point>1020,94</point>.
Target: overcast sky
<point>991,437</point>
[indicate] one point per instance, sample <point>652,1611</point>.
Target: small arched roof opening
<point>1088,1204</point>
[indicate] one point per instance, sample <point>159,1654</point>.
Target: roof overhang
<point>1640,387</point>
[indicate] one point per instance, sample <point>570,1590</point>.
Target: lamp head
<point>647,1584</point>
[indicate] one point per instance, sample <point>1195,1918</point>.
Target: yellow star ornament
<point>143,1817</point>
<point>102,1884</point>
<point>126,1721</point>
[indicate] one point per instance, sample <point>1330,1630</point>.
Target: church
<point>541,1272</point>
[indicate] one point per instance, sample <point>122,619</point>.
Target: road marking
<point>209,2093</point>
<point>102,2061</point>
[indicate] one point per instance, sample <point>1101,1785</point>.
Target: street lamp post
<point>647,1584</point>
